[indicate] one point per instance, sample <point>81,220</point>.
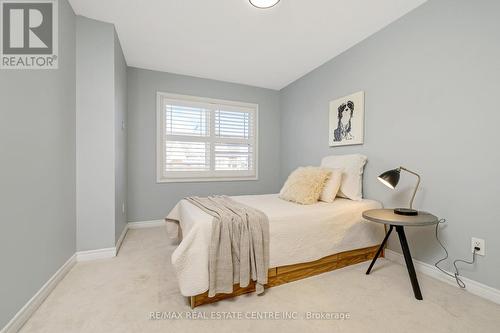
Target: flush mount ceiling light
<point>263,4</point>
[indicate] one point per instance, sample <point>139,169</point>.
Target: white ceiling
<point>230,40</point>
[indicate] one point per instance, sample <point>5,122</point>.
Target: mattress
<point>298,234</point>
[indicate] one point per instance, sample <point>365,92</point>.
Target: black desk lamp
<point>391,179</point>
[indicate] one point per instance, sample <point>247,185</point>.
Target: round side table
<point>388,217</point>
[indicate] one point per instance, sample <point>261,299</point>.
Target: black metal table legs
<point>379,250</point>
<point>409,262</point>
<point>406,254</point>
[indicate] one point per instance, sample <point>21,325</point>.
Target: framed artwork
<point>347,120</point>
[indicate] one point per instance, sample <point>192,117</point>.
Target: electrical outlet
<point>481,244</point>
<point>123,208</point>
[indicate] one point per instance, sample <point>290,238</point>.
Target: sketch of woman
<point>344,115</point>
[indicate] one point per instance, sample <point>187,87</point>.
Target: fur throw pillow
<point>305,184</point>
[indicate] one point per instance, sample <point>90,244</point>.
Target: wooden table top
<point>387,216</point>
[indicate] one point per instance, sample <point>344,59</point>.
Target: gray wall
<point>37,182</point>
<point>95,134</point>
<point>148,200</point>
<point>432,81</point>
<point>120,138</point>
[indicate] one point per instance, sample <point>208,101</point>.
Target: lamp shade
<point>390,178</point>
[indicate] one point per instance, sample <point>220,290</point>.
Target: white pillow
<point>351,186</point>
<point>332,185</point>
<point>304,185</point>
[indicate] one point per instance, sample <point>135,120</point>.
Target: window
<point>202,139</point>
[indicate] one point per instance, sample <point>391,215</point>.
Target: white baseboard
<point>30,307</point>
<point>120,240</point>
<point>112,251</point>
<point>473,287</point>
<point>96,254</point>
<point>146,224</point>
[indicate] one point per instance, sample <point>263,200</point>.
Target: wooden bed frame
<point>289,273</point>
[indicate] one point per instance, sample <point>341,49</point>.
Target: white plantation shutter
<point>234,129</point>
<point>233,124</point>
<point>231,156</point>
<point>187,156</point>
<point>184,120</point>
<point>201,139</point>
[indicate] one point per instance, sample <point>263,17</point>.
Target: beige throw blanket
<point>239,248</point>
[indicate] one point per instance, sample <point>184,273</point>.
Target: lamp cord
<point>456,275</point>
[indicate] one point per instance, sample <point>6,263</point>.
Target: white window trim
<point>201,177</point>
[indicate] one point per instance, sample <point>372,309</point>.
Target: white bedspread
<point>298,233</point>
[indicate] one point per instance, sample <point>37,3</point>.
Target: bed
<point>305,240</point>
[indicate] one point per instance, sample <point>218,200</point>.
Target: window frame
<point>203,176</point>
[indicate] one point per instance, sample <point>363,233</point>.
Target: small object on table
<point>398,221</point>
<point>390,178</point>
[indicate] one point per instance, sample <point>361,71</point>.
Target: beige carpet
<point>117,295</point>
